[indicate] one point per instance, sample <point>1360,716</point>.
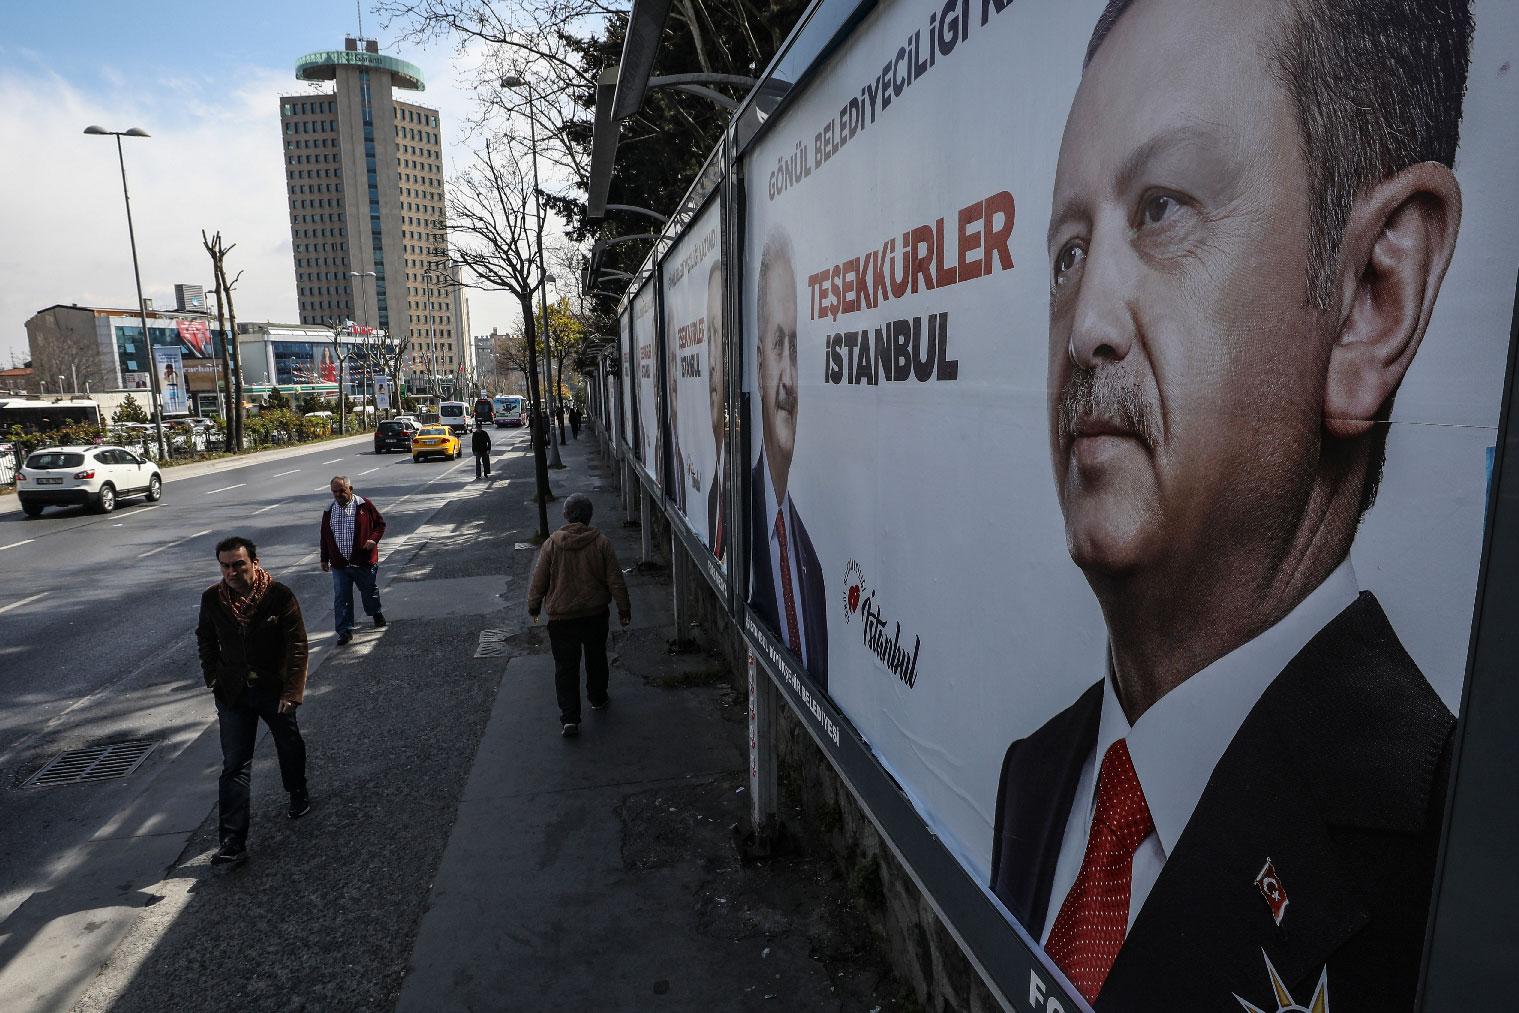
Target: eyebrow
<point>1132,167</point>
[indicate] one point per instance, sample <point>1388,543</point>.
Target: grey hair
<point>343,479</point>
<point>578,508</point>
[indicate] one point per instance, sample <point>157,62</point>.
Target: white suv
<point>97,476</point>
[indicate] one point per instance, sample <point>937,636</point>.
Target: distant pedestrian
<point>576,577</point>
<point>575,417</point>
<point>351,531</point>
<point>480,443</point>
<point>252,644</point>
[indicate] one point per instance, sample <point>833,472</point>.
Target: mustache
<point>785,398</point>
<point>1110,397</point>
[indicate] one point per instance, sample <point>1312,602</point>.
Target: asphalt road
<point>97,617</point>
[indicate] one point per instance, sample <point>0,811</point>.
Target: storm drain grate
<point>492,644</point>
<point>95,763</point>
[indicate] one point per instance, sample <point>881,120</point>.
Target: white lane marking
<point>271,506</point>
<point>225,488</point>
<point>12,545</point>
<point>335,460</point>
<point>282,474</point>
<point>170,545</point>
<point>323,488</point>
<point>23,601</point>
<point>367,472</point>
<point>141,510</point>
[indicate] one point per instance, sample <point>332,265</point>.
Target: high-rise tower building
<point>364,174</point>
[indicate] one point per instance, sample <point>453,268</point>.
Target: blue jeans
<point>343,579</point>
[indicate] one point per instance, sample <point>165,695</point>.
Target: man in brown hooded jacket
<point>252,643</point>
<point>576,577</point>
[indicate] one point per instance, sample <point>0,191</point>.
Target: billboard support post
<point>679,581</point>
<point>764,802</point>
<point>646,525</point>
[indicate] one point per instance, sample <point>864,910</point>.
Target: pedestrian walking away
<point>576,577</point>
<point>480,443</point>
<point>575,416</point>
<point>351,531</point>
<point>252,643</point>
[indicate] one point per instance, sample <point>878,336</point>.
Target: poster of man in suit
<point>1152,355</point>
<point>717,397</point>
<point>1262,244</point>
<point>786,584</point>
<point>651,450</point>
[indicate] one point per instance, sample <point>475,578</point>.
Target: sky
<point>204,79</point>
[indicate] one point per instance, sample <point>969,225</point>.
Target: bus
<point>508,410</point>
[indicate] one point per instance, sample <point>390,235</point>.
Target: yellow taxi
<point>435,441</point>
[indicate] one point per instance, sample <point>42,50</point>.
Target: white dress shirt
<point>775,567</point>
<point>1177,742</point>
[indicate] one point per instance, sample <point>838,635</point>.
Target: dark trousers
<point>575,428</point>
<point>569,637</point>
<point>239,731</point>
<point>482,464</point>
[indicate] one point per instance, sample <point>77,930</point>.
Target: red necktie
<point>1094,919</point>
<point>793,632</point>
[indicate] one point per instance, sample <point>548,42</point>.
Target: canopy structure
<point>323,66</point>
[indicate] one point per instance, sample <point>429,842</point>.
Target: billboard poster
<point>172,388</point>
<point>646,340</point>
<point>382,393</point>
<point>626,376</point>
<point>136,381</point>
<point>692,277</point>
<point>196,336</point>
<point>1118,459</point>
<point>304,362</point>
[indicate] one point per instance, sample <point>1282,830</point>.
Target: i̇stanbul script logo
<point>861,599</point>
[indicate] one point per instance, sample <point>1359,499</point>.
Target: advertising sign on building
<point>382,393</point>
<point>196,336</point>
<point>173,390</point>
<point>692,277</point>
<point>1119,460</point>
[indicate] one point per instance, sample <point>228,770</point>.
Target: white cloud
<point>213,162</point>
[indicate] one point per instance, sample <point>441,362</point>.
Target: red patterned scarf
<point>242,606</point>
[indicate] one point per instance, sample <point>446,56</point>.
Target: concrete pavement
<point>461,855</point>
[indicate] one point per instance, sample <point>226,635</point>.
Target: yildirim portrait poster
<point>692,280</point>
<point>1070,383</point>
<point>626,374</point>
<point>647,377</point>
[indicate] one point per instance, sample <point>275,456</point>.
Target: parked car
<point>85,475</point>
<point>435,441</point>
<point>394,434</point>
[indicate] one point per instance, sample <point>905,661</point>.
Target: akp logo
<point>855,590</point>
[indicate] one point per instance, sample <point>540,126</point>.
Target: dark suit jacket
<point>717,498</point>
<point>1338,775</point>
<point>811,593</point>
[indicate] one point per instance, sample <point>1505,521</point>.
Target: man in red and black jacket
<point>351,533</point>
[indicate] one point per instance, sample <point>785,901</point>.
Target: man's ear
<point>1396,248</point>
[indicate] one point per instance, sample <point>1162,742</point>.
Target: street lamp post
<point>369,344</point>
<point>142,309</point>
<point>543,270</point>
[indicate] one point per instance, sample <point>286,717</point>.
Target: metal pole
<point>142,310</point>
<point>543,290</point>
<point>646,519</point>
<point>764,796</point>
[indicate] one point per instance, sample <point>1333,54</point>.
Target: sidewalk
<point>461,855</point>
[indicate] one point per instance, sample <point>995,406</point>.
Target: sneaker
<point>601,705</point>
<point>379,619</point>
<point>343,638</point>
<point>230,853</point>
<point>570,729</point>
<point>300,804</point>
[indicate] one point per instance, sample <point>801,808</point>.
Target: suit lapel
<point>1039,779</point>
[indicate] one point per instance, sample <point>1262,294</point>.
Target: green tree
<point>277,401</point>
<point>129,411</point>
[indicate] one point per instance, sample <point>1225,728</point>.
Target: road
<point>97,617</point>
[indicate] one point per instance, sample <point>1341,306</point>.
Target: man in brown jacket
<point>252,644</point>
<point>577,575</point>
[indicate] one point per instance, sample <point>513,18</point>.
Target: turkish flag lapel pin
<point>1269,883</point>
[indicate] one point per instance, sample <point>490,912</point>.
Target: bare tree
<point>492,241</point>
<point>232,366</point>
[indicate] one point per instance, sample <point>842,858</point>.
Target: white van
<point>454,415</point>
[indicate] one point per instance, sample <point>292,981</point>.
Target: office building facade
<point>365,185</point>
